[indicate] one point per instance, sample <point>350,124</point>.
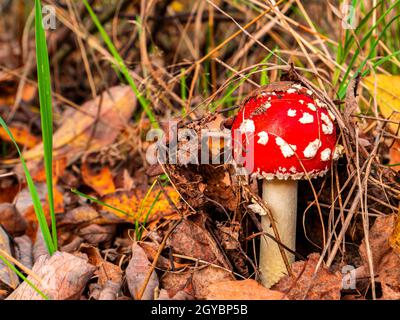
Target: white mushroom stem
<point>281,198</point>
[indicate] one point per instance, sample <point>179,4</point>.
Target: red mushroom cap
<point>286,131</point>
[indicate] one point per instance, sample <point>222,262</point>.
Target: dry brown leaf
<point>303,286</point>
<point>151,250</point>
<point>106,271</point>
<point>24,205</point>
<point>193,241</point>
<point>73,245</point>
<point>394,239</point>
<point>389,276</point>
<point>102,182</point>
<point>394,155</point>
<point>385,257</point>
<point>81,214</point>
<point>87,214</point>
<point>8,193</point>
<point>95,234</point>
<point>72,137</point>
<point>110,291</point>
<point>11,220</point>
<point>136,273</point>
<point>180,295</point>
<point>39,247</point>
<point>23,200</point>
<point>23,251</point>
<point>64,277</point>
<point>195,282</point>
<point>7,276</point>
<point>242,290</point>
<point>379,235</point>
<point>3,294</point>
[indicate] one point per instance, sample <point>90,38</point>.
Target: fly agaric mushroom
<point>289,135</point>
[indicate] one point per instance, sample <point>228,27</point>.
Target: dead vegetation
<point>168,231</point>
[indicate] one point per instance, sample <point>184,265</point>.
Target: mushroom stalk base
<point>281,198</point>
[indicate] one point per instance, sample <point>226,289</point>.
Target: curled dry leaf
<point>8,190</point>
<point>180,295</point>
<point>389,276</point>
<point>39,247</point>
<point>3,294</point>
<point>304,285</point>
<point>136,207</point>
<point>151,249</point>
<point>24,251</point>
<point>218,186</point>
<point>394,239</point>
<point>136,273</point>
<point>95,234</point>
<point>106,271</point>
<point>11,220</point>
<point>7,276</point>
<point>24,205</point>
<point>101,181</point>
<point>242,290</point>
<point>63,277</point>
<point>379,235</point>
<point>87,214</point>
<point>110,291</point>
<point>194,241</point>
<point>204,184</point>
<point>75,136</point>
<point>194,282</point>
<point>73,245</point>
<point>81,214</point>
<point>383,240</point>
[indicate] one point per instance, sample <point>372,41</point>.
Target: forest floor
<point>97,207</point>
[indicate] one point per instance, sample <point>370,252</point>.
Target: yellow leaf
<point>102,182</point>
<point>387,95</point>
<point>21,135</point>
<point>137,206</point>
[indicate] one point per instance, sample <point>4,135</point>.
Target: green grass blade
<point>344,82</point>
<point>138,231</point>
<point>81,194</point>
<point>381,61</point>
<point>148,214</point>
<point>233,88</point>
<point>46,113</point>
<point>343,88</point>
<point>121,66</point>
<point>37,205</point>
<point>19,274</point>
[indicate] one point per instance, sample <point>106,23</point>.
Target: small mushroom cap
<point>283,131</point>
